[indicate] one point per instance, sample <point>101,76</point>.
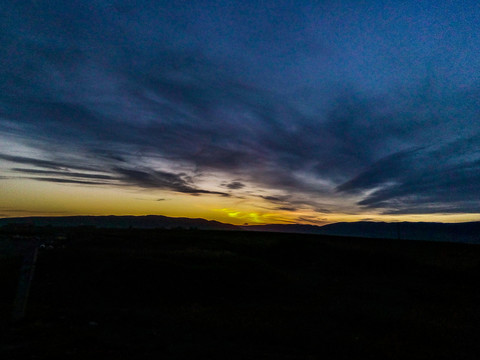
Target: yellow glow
<point>23,197</point>
<point>249,217</point>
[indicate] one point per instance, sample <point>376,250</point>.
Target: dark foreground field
<point>144,294</point>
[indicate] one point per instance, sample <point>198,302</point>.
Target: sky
<point>244,112</point>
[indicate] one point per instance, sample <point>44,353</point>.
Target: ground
<point>186,294</point>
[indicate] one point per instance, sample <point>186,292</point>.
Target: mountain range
<point>453,232</point>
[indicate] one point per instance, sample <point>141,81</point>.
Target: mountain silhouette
<point>468,232</point>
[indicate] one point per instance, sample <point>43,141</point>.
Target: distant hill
<point>286,228</point>
<point>144,222</point>
<point>452,232</point>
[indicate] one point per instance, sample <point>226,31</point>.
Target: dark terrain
<point>466,232</point>
<point>191,294</point>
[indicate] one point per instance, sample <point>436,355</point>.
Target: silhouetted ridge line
<point>147,221</point>
<point>453,232</point>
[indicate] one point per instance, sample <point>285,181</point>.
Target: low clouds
<point>105,101</point>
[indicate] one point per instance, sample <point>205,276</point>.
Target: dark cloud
<point>392,166</point>
<point>276,199</point>
<point>148,178</point>
<point>64,173</point>
<point>235,185</point>
<point>67,181</point>
<point>439,179</point>
<point>322,210</point>
<point>43,163</point>
<point>286,208</point>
